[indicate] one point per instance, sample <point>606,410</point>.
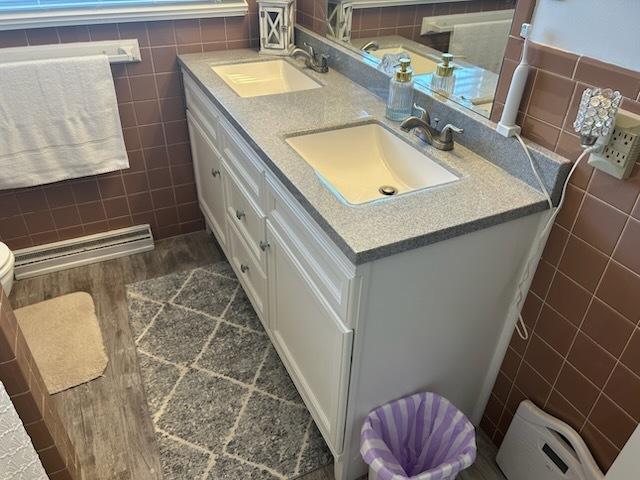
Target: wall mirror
<point>475,32</point>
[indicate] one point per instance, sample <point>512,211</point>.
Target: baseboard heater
<point>80,251</point>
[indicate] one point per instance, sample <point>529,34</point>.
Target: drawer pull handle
<point>240,214</point>
<point>215,172</point>
<point>264,245</point>
<point>244,268</point>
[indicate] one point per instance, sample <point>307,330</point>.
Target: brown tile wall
<point>582,360</point>
<point>158,188</point>
<point>406,20</point>
<point>21,378</point>
<point>313,15</point>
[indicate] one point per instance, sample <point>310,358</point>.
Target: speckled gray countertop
<point>485,195</point>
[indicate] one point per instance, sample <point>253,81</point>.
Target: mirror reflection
<point>456,47</point>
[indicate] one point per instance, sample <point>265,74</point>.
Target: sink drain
<point>388,190</point>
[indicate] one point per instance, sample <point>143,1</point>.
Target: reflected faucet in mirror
<point>370,46</point>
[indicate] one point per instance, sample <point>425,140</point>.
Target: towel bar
<point>445,23</point>
<point>118,51</point>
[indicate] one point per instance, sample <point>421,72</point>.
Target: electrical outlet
<point>622,149</point>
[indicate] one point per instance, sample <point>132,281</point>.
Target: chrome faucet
<point>370,46</point>
<point>440,139</point>
<point>315,62</point>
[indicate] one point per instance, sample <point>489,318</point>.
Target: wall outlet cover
<point>622,150</point>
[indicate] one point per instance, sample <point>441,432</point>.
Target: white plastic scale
<point>541,447</point>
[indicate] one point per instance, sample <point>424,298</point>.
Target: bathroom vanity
<point>364,302</point>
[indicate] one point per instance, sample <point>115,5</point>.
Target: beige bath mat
<point>65,340</point>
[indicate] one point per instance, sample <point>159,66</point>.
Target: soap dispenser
<point>442,80</point>
<point>400,98</point>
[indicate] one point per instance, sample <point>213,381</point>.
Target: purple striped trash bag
<point>421,437</point>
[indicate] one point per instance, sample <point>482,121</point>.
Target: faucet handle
<point>447,132</point>
<point>451,127</point>
<point>424,115</point>
<point>310,49</point>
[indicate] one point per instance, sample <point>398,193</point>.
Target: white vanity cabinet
<point>208,172</point>
<point>354,337</point>
<point>295,278</point>
<point>309,332</point>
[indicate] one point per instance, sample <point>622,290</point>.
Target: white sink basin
<point>356,162</point>
<point>419,63</point>
<point>264,78</point>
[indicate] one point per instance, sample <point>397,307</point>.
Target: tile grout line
<point>544,302</point>
<point>615,366</point>
<point>135,116</point>
<point>533,326</point>
<point>556,270</point>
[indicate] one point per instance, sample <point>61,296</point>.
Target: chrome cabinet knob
<point>244,268</point>
<point>215,172</point>
<point>240,214</point>
<point>264,245</point>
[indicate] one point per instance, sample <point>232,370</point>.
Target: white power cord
<point>539,242</point>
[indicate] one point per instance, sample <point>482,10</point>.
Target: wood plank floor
<point>107,419</point>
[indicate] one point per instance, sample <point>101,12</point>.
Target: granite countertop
<point>484,196</point>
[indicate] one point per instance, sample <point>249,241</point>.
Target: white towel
<point>58,119</point>
<point>482,43</point>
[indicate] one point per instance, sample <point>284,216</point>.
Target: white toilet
<point>7,261</point>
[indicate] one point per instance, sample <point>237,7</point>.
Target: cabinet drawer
<point>244,163</point>
<point>246,215</point>
<point>249,272</point>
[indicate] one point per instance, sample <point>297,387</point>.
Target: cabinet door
<point>207,165</point>
<point>312,341</point>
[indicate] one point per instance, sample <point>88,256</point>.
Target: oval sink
<point>271,77</point>
<point>365,163</point>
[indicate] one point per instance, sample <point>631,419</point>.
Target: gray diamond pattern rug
<point>221,401</point>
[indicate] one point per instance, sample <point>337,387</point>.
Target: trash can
<point>421,437</point>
